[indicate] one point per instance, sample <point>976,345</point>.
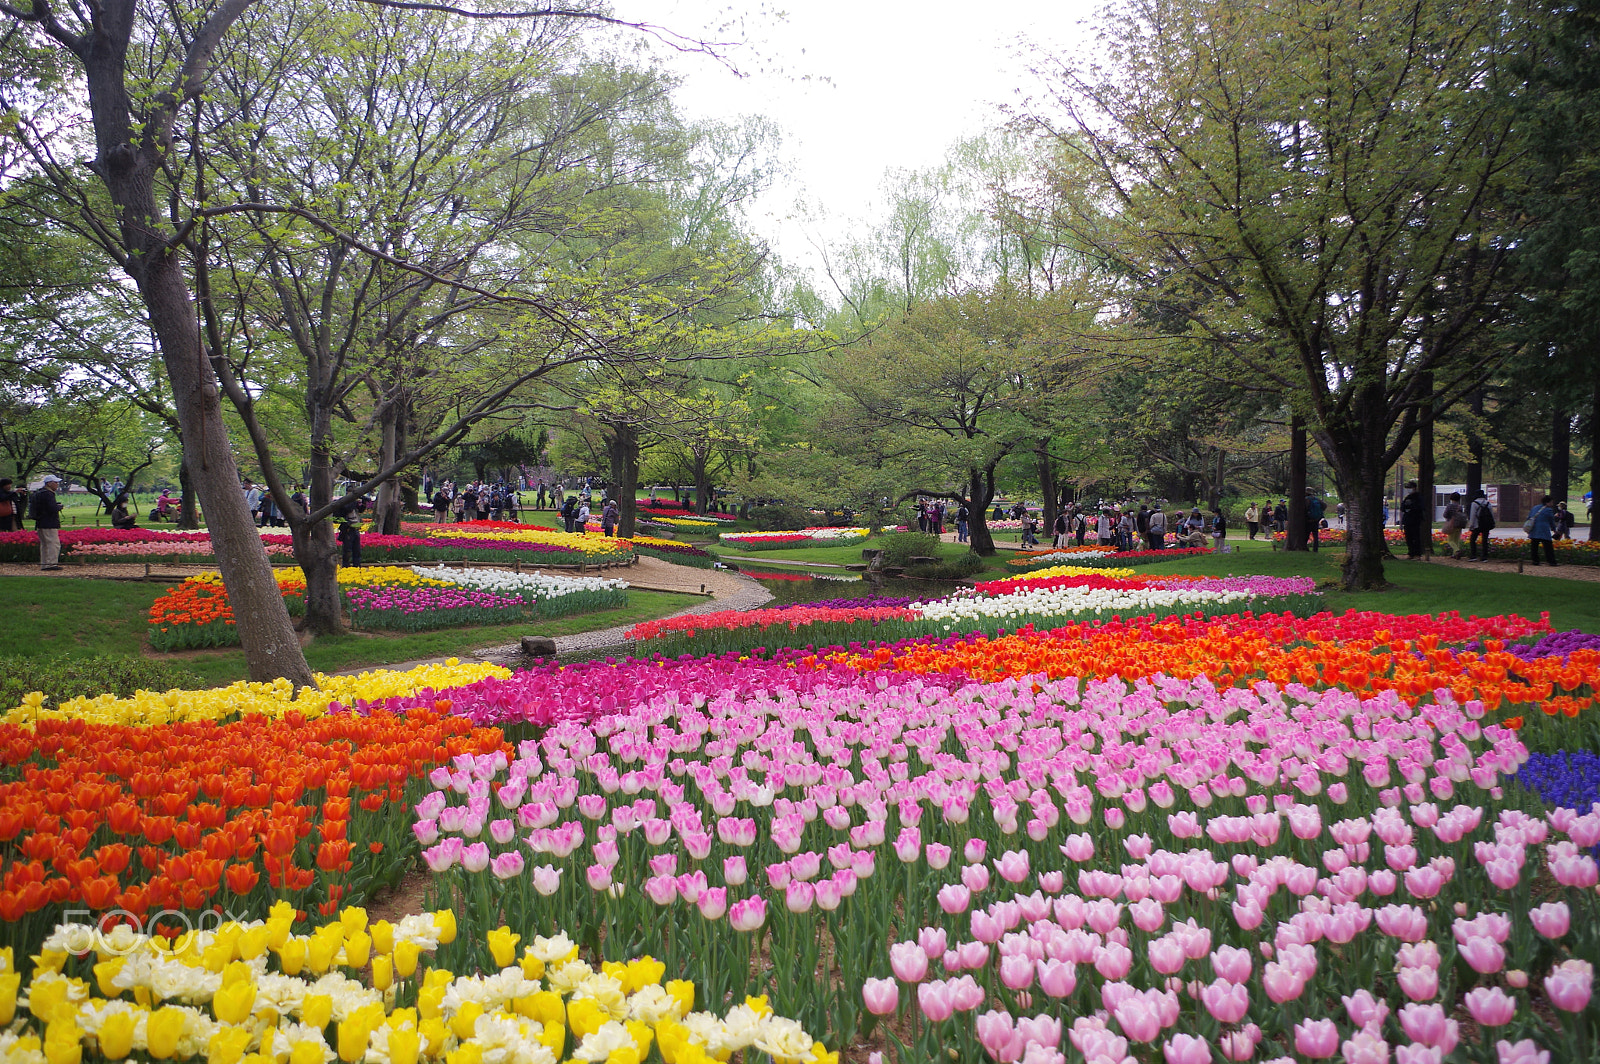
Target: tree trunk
<point>389,505</point>
<point>702,482</point>
<point>317,551</point>
<point>1425,464</point>
<point>980,493</point>
<point>1217,482</point>
<point>1047,486</point>
<point>622,447</point>
<point>1594,460</point>
<point>1297,531</point>
<point>1475,443</point>
<point>1560,453</point>
<point>188,508</point>
<point>1356,447</point>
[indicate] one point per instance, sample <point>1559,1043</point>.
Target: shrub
<point>901,547</point>
<point>62,678</point>
<point>967,564</point>
<point>779,517</point>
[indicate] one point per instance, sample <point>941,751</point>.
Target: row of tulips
<point>263,991</point>
<point>188,815</point>
<point>1110,836</point>
<point>805,537</point>
<point>1098,556</point>
<point>1505,548</point>
<point>992,607</point>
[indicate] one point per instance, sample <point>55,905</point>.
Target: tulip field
<point>1078,815</point>
<point>393,598</point>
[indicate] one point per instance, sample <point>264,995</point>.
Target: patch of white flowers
<point>1058,601</point>
<point>541,585</point>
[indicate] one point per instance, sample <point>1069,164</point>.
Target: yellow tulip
<point>445,921</point>
<point>681,991</point>
<point>625,1055</point>
<point>405,958</point>
<point>316,1010</point>
<point>645,971</point>
<point>554,1038</point>
<point>547,1008</point>
<point>238,972</point>
<point>585,1016</point>
<point>278,932</point>
<point>320,951</point>
<point>106,971</point>
<point>306,1052</point>
<point>503,945</point>
<point>44,999</point>
<point>382,936</point>
<point>227,1046</point>
<point>116,1035</point>
<point>438,977</point>
<point>467,1054</point>
<point>253,943</point>
<point>465,1018</point>
<point>8,959</point>
<point>49,960</point>
<point>162,1031</point>
<point>532,967</point>
<point>354,919</point>
<point>292,956</point>
<point>434,1030</point>
<point>758,1005</point>
<point>62,1045</point>
<point>404,1045</point>
<point>357,947</point>
<point>10,983</point>
<point>382,973</point>
<point>232,1002</point>
<point>429,999</point>
<point>641,1034</point>
<point>353,1036</point>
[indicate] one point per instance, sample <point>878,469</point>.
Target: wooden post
<point>516,566</point>
<point>147,570</point>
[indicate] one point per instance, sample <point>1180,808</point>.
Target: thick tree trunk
<point>980,493</point>
<point>1364,543</point>
<point>1357,451</point>
<point>188,507</point>
<point>317,550</point>
<point>702,484</point>
<point>1297,532</point>
<point>1047,486</point>
<point>1560,453</point>
<point>1594,460</point>
<point>1217,487</point>
<point>389,505</point>
<point>622,447</point>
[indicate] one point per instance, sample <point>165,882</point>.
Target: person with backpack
<point>1158,529</point>
<point>1455,519</point>
<point>1413,512</point>
<point>569,511</point>
<point>1540,527</point>
<point>1315,509</point>
<point>1480,522</point>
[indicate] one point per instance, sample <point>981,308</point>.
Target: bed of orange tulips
<point>187,816</point>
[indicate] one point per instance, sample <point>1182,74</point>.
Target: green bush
<point>779,517</point>
<point>900,547</point>
<point>962,565</point>
<point>63,678</point>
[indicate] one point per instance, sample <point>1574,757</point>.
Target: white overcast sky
<point>858,86</point>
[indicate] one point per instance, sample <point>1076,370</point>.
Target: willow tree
<point>1313,187</point>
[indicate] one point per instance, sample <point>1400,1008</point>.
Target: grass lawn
<point>81,618</point>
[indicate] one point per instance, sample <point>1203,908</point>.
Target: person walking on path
<point>46,510</point>
<point>1315,509</point>
<point>1413,510</point>
<point>1540,527</point>
<point>1219,531</point>
<point>963,520</point>
<point>1252,519</point>
<point>1158,528</point>
<point>1480,522</point>
<point>1455,519</point>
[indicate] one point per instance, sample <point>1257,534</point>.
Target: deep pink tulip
<point>748,915</point>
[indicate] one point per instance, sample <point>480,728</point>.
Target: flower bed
<point>1096,556</point>
<point>1184,864</point>
<point>805,537</point>
<point>677,553</point>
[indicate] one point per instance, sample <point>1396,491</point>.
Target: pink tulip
<point>1491,1006</point>
<point>547,879</point>
<point>937,855</point>
<point>881,996</point>
<point>975,877</point>
<point>805,865</point>
<point>1281,983</point>
<point>1429,1025</point>
<point>935,1000</point>
<point>1570,984</point>
<point>800,896</point>
<point>974,850</point>
<point>829,894</point>
<point>996,1032</point>
<point>1226,1001</point>
<point>1317,1039</point>
<point>1057,978</point>
<point>748,915</point>
<point>1240,1045</point>
<point>1078,847</point>
<point>1052,882</point>
<point>1186,1049</point>
<point>1016,971</point>
<point>1138,1018</point>
<point>1526,1051</point>
<point>1416,1053</point>
<point>598,877</point>
<point>1423,882</point>
<point>933,941</point>
<point>1012,866</point>
<point>713,902</point>
<point>1552,919</point>
<point>965,993</point>
<point>1148,914</point>
<point>1231,964</point>
<point>1166,955</point>
<point>1365,1047</point>
<point>1405,922</point>
<point>909,961</point>
<point>1364,1010</point>
<point>1483,954</point>
<point>954,898</point>
<point>985,928</point>
<point>973,955</point>
<point>1113,962</point>
<point>734,871</point>
<point>1418,984</point>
